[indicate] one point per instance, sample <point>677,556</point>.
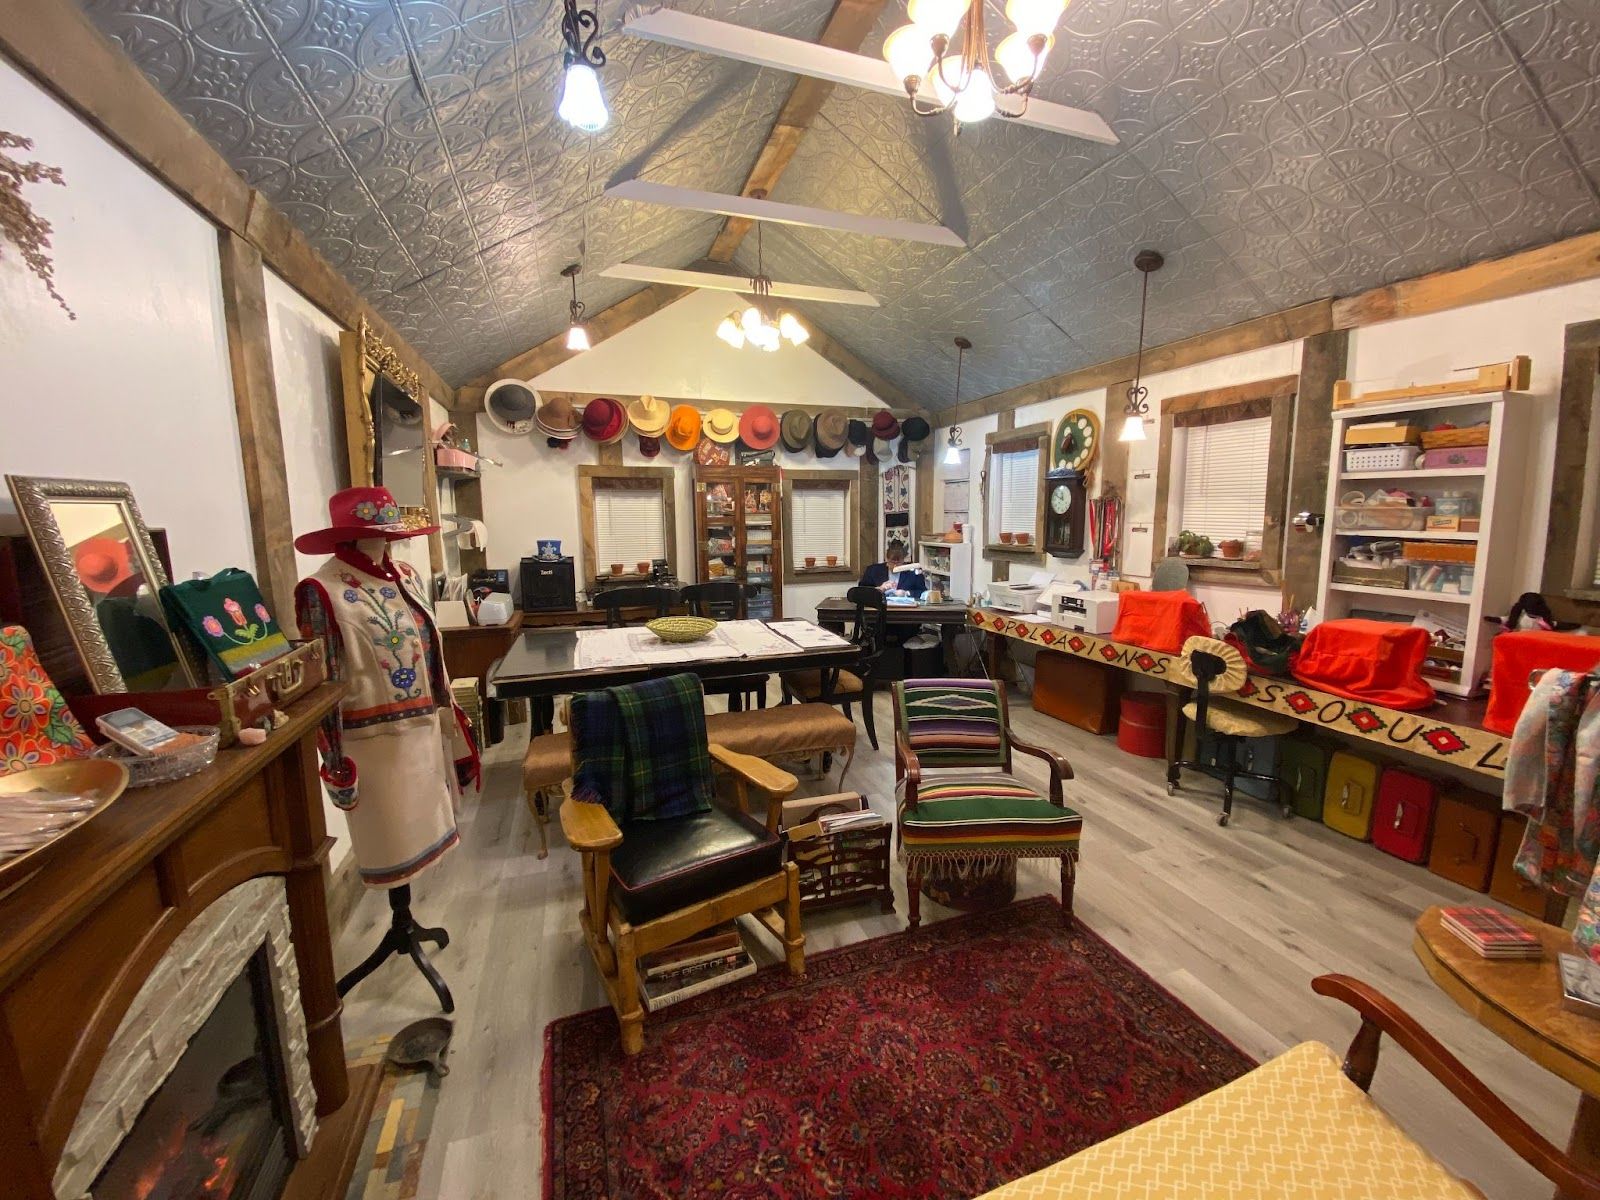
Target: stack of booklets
<point>1491,933</point>
<point>684,969</point>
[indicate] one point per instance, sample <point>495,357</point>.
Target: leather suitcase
<point>1402,815</point>
<point>1264,755</point>
<point>1076,691</point>
<point>1505,884</point>
<point>1303,768</point>
<point>1347,800</point>
<point>1465,829</point>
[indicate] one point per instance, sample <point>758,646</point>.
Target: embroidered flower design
<point>366,510</point>
<point>388,514</point>
<point>392,639</point>
<point>402,677</point>
<point>212,626</point>
<point>388,593</point>
<point>350,596</point>
<point>23,705</point>
<point>262,613</point>
<point>14,757</point>
<point>231,607</point>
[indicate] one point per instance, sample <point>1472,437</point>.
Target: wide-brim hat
<point>362,512</point>
<point>794,431</point>
<point>881,450</point>
<point>683,427</point>
<point>557,419</point>
<point>649,416</point>
<point>604,421</point>
<point>1232,677</point>
<point>758,427</point>
<point>650,447</point>
<point>510,405</point>
<point>720,425</point>
<point>914,429</point>
<point>103,564</point>
<point>829,433</point>
<point>884,425</point>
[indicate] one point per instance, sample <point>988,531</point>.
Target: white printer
<point>1019,597</point>
<point>1086,612</point>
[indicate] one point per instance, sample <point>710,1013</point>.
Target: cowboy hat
<point>829,432</point>
<point>510,405</point>
<point>795,430</point>
<point>721,425</point>
<point>361,512</point>
<point>648,416</point>
<point>758,427</point>
<point>557,419</point>
<point>884,425</point>
<point>604,421</point>
<point>683,427</point>
<point>103,564</point>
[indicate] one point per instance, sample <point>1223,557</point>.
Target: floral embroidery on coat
<point>394,633</point>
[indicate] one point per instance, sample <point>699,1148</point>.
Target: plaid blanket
<point>641,749</point>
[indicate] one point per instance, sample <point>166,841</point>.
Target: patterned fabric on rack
<point>952,722</point>
<point>36,726</point>
<point>1540,782</point>
<point>641,749</point>
<point>972,814</point>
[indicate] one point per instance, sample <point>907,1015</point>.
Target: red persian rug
<point>939,1063</point>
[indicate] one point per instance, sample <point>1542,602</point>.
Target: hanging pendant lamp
<point>577,335</point>
<point>952,445</point>
<point>1137,407</point>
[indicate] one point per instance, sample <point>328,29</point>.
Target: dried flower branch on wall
<point>19,224</point>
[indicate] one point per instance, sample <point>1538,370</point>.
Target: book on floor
<point>661,993</point>
<point>702,947</point>
<point>1491,932</point>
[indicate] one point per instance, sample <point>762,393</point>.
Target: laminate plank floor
<point>1234,921</point>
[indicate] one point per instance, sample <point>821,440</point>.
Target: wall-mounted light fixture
<point>582,104</point>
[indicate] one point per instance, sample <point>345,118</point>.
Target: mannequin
<point>397,751</point>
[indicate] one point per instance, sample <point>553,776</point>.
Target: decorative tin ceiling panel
<point>1275,150</point>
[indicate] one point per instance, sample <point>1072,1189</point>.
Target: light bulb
<point>1035,16</point>
<point>1132,429</point>
<point>582,105</point>
<point>950,69</point>
<point>938,16</point>
<point>1015,57</point>
<point>767,339</point>
<point>952,456</point>
<point>577,338</point>
<point>976,102</point>
<point>789,325</point>
<point>730,332</point>
<point>909,50</point>
<point>750,321</point>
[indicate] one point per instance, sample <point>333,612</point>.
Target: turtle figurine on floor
<point>422,1043</point>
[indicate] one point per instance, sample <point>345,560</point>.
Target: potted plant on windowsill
<point>1194,545</point>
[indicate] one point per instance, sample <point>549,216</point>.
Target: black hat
<point>914,429</point>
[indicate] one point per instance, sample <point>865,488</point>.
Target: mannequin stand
<point>405,936</point>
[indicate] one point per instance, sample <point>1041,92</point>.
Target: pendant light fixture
<point>952,443</point>
<point>582,104</point>
<point>577,335</point>
<point>762,324</point>
<point>1137,408</point>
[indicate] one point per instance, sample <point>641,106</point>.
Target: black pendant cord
<point>405,936</point>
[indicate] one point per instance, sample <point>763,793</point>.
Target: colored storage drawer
<point>1303,768</point>
<point>1505,884</point>
<point>1077,691</point>
<point>1402,815</point>
<point>1347,801</point>
<point>1465,828</point>
<point>1263,755</point>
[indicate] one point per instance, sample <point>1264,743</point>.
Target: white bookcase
<point>949,565</point>
<point>1499,487</point>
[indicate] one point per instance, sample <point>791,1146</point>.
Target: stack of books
<point>835,823</point>
<point>688,968</point>
<point>1491,933</point>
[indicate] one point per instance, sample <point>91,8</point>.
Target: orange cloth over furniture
<point>1517,655</point>
<point>1376,661</point>
<point>1161,621</point>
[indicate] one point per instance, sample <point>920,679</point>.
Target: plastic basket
<point>1381,516</point>
<point>1380,458</point>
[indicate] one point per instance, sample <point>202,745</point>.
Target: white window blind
<point>817,519</point>
<point>629,527</point>
<point>1225,477</point>
<point>1018,504</point>
<point>1596,579</point>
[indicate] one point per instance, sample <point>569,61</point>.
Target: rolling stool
<point>1215,669</point>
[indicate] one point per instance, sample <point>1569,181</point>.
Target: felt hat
<point>794,431</point>
<point>884,425</point>
<point>510,405</point>
<point>604,421</point>
<point>758,427</point>
<point>1233,674</point>
<point>362,512</point>
<point>721,425</point>
<point>649,416</point>
<point>858,436</point>
<point>650,447</point>
<point>914,429</point>
<point>557,419</point>
<point>683,427</point>
<point>828,432</point>
<point>103,564</point>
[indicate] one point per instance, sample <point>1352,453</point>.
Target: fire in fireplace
<point>218,1127</point>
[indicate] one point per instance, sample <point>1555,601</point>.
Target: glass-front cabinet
<point>739,528</point>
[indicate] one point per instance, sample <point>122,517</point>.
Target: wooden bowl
<point>97,779</point>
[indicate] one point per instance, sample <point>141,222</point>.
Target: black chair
<point>834,685</point>
<point>614,600</point>
<point>726,600</point>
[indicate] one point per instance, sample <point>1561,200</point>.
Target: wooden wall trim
<point>579,399</point>
<point>662,479</point>
<point>1323,362</point>
<point>1227,397</point>
<point>1569,491</point>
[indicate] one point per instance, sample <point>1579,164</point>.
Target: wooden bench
<point>788,731</point>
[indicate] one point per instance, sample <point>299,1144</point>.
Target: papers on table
<point>754,638</point>
<point>808,636</point>
<point>637,647</point>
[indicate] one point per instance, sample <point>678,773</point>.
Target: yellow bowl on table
<point>681,629</point>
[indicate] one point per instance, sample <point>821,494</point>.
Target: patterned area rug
<point>935,1064</point>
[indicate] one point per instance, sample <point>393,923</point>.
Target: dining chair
<point>614,600</point>
<point>835,685</point>
<point>727,600</point>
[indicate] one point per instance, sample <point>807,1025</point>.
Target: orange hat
<point>683,427</point>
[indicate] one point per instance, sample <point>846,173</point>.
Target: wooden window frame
<point>661,479</point>
<point>1565,583</point>
<point>850,481</point>
<point>1012,441</point>
<point>1274,398</point>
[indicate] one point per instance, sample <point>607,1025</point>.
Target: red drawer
<point>1402,817</point>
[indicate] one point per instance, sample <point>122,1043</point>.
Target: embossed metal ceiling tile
<point>1560,47</point>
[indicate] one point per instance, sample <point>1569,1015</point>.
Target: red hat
<point>650,447</point>
<point>104,564</point>
<point>362,512</point>
<point>758,427</point>
<point>884,425</point>
<point>604,420</point>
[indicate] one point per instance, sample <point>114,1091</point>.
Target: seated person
<point>889,576</point>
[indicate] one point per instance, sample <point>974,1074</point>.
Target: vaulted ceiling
<point>1275,151</point>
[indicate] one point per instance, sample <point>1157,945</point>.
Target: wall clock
<point>1064,512</point>
<point>1077,440</point>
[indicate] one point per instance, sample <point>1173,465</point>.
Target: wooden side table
<point>1521,1002</point>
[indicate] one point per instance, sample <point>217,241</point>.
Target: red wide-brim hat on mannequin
<point>362,512</point>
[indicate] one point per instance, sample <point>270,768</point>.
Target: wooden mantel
<point>79,938</point>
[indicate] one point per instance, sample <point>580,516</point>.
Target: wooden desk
<point>473,650</point>
<point>1521,1003</point>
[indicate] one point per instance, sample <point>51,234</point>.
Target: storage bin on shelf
<point>1456,439</point>
<point>1446,458</point>
<point>1448,579</point>
<point>1349,518</point>
<point>1380,458</point>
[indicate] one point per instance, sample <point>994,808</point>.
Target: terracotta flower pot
<point>811,560</point>
<point>643,568</point>
<point>1024,538</point>
<point>616,568</point>
<point>833,560</point>
<point>1007,538</point>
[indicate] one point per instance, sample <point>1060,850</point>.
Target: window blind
<point>629,527</point>
<point>1225,477</point>
<point>1596,580</point>
<point>817,517</point>
<point>1018,508</point>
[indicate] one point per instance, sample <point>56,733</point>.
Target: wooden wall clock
<point>1077,440</point>
<point>1065,509</point>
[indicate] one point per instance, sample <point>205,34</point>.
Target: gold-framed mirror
<point>106,575</point>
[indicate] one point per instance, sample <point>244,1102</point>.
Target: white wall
<point>138,388</point>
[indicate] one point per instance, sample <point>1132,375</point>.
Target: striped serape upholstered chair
<point>957,798</point>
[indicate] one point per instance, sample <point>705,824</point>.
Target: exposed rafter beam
<point>690,32</point>
<point>718,282</point>
<point>695,200</point>
<point>848,26</point>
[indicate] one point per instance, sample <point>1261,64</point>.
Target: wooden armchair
<point>653,883</point>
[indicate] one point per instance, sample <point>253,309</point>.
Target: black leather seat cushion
<point>667,865</point>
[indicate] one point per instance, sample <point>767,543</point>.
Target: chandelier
<point>964,84</point>
<point>762,324</point>
<point>581,105</point>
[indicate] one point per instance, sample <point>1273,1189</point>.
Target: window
<point>626,516</point>
<point>1018,485</point>
<point>1224,472</point>
<point>1014,464</point>
<point>821,519</point>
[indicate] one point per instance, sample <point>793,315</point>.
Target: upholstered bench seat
<point>663,865</point>
<point>807,685</point>
<point>986,812</point>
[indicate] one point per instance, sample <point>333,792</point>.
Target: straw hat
<point>604,420</point>
<point>829,432</point>
<point>557,419</point>
<point>794,431</point>
<point>758,427</point>
<point>649,416</point>
<point>1232,677</point>
<point>721,425</point>
<point>683,427</point>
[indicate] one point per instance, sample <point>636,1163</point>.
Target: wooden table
<point>1521,1003</point>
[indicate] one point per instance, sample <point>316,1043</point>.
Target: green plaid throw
<point>641,749</point>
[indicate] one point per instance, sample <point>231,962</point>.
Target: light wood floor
<point>1233,921</point>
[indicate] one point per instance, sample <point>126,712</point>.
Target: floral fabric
<point>227,617</point>
<point>36,726</point>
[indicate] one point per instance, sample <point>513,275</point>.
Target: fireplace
<point>218,1126</point>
